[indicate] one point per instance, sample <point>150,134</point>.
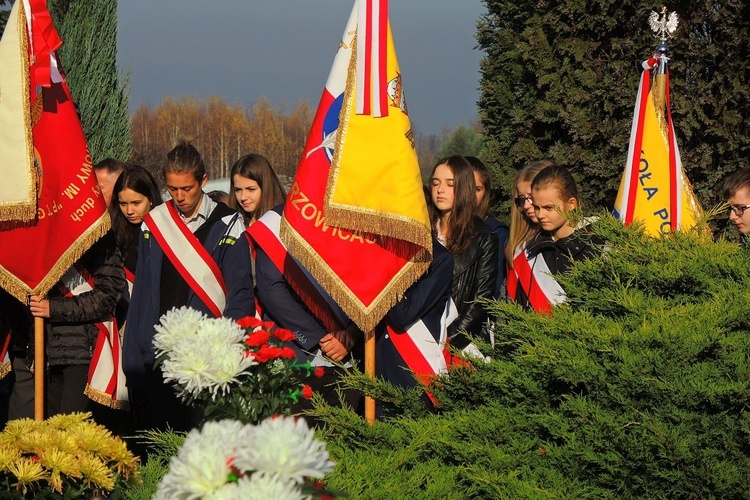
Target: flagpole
<point>38,368</point>
<point>370,372</point>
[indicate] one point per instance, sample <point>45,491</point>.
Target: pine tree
<point>5,4</point>
<point>559,81</point>
<point>88,29</point>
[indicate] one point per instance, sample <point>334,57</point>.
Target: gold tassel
<point>105,399</point>
<point>20,290</point>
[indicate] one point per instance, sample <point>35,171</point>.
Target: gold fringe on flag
<point>358,218</point>
<point>20,290</point>
<point>365,317</point>
<point>105,399</point>
<point>23,210</point>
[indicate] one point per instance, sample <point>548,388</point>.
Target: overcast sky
<point>283,49</point>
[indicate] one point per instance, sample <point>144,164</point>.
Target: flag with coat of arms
<point>356,216</point>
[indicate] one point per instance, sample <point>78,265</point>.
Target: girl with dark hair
<point>484,188</point>
<point>558,244</point>
<point>254,187</point>
<point>472,243</point>
<point>135,193</point>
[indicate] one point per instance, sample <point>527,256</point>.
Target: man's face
<point>739,213</point>
<point>186,191</point>
<point>106,181</point>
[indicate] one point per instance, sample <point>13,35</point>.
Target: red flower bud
<point>307,391</point>
<point>319,371</point>
<point>284,335</point>
<point>249,322</point>
<point>257,339</point>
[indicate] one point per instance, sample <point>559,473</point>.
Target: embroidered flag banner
<point>654,188</point>
<point>18,188</point>
<point>70,214</point>
<point>356,216</point>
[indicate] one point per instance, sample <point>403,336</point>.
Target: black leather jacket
<point>474,275</point>
<point>71,332</point>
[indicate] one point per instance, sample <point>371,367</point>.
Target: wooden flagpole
<point>370,372</point>
<point>38,368</point>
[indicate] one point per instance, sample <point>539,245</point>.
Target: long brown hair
<point>461,230</point>
<point>483,208</point>
<point>521,228</point>
<point>141,181</point>
<point>256,167</point>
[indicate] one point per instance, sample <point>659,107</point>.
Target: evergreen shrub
<point>637,387</point>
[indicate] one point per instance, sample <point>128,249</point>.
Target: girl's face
<point>550,209</point>
<point>523,201</point>
<point>247,192</point>
<point>481,190</point>
<point>133,205</point>
<point>441,186</point>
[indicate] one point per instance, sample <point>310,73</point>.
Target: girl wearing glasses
<point>737,194</point>
<point>523,225</point>
<point>472,243</point>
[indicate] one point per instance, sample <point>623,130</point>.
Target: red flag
<point>356,216</point>
<point>71,214</point>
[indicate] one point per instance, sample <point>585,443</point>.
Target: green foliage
<point>637,387</point>
<point>559,81</point>
<point>88,29</point>
<point>162,447</point>
<point>463,141</point>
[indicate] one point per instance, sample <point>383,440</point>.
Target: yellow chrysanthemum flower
<point>16,429</point>
<point>8,455</point>
<point>57,460</point>
<point>27,471</point>
<point>96,472</point>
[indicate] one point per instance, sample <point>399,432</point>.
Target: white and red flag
<point>654,188</point>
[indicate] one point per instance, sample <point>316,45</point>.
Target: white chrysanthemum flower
<point>209,360</point>
<point>202,465</point>
<point>260,486</point>
<point>287,447</point>
<point>175,326</point>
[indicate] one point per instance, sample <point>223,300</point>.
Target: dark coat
<point>560,255</point>
<point>425,300</point>
<point>71,332</point>
<point>474,277</point>
<point>503,232</point>
<point>228,246</point>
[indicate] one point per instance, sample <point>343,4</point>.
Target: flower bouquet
<point>65,456</point>
<point>238,370</point>
<point>279,458</point>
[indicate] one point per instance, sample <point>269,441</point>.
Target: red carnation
<point>319,371</point>
<point>307,391</point>
<point>269,352</point>
<point>257,339</point>
<point>249,322</point>
<point>284,335</point>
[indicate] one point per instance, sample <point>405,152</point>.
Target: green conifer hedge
<point>637,387</point>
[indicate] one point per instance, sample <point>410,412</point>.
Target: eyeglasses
<point>738,210</point>
<point>520,201</point>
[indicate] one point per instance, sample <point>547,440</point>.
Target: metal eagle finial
<point>663,25</point>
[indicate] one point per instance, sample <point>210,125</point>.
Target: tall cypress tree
<point>88,29</point>
<point>559,81</point>
<point>4,14</point>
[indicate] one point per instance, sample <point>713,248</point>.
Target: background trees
<point>559,81</point>
<point>89,58</point>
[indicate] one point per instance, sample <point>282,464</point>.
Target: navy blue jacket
<point>425,300</point>
<point>227,244</point>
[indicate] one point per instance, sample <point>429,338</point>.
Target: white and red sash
<point>106,380</point>
<point>188,256</point>
<point>536,280</point>
<point>265,233</point>
<point>424,355</point>
<point>5,362</point>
